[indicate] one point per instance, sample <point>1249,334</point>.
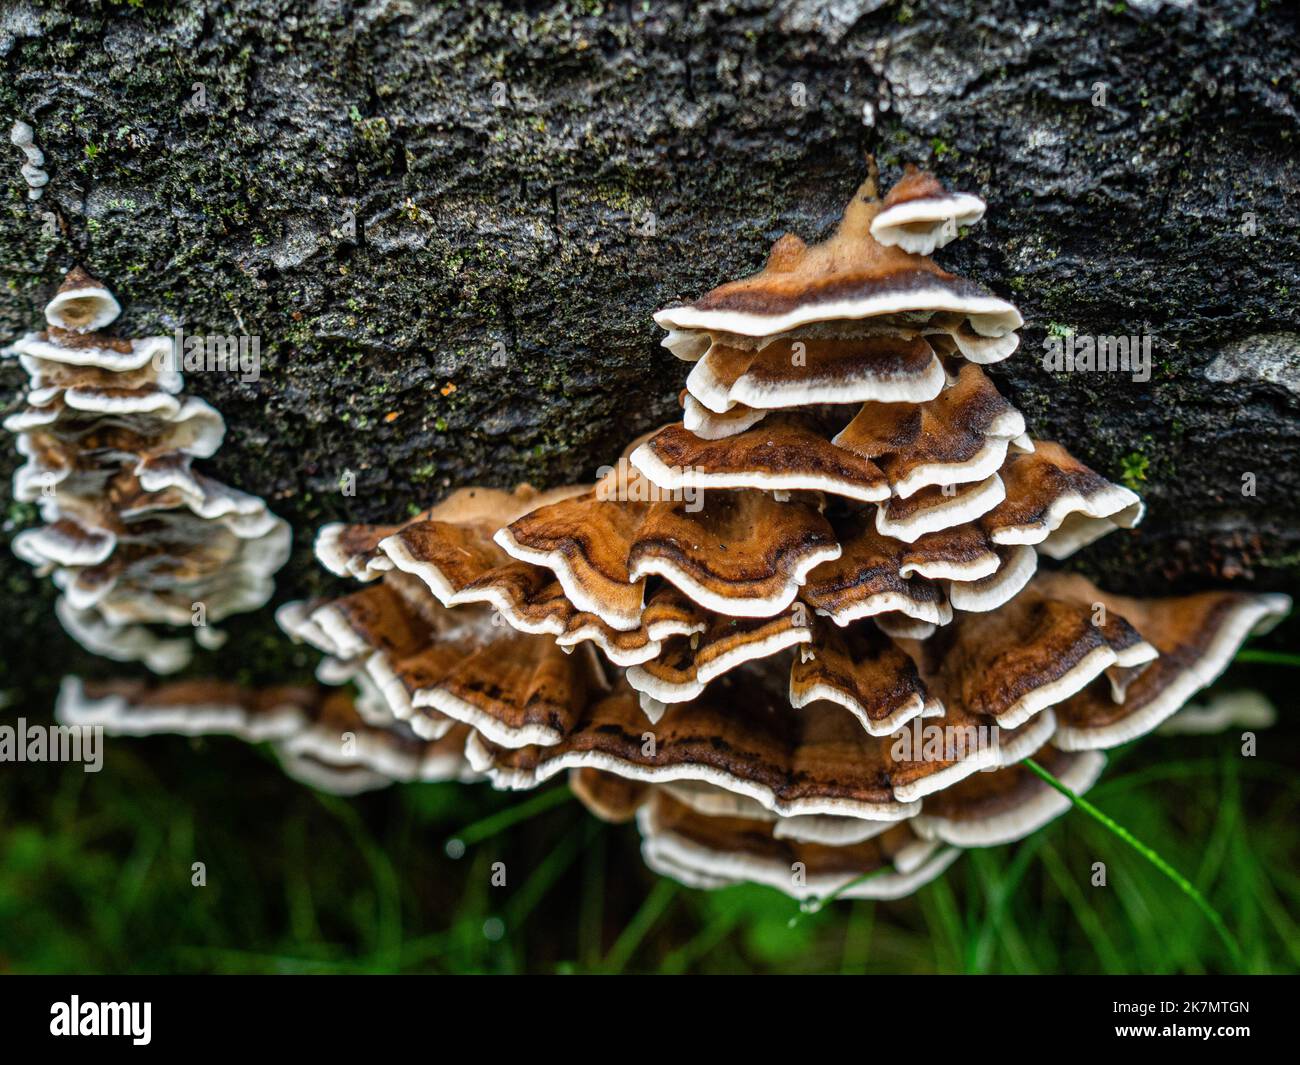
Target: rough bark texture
<point>535,180</point>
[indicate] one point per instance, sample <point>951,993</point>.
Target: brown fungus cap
<point>713,556</point>
<point>461,564</point>
<point>82,304</point>
<point>959,437</point>
<point>686,664</point>
<point>812,762</point>
<point>849,276</point>
<point>740,735</point>
<point>202,707</point>
<point>778,455</point>
<point>435,667</point>
<point>867,673</point>
<point>307,724</point>
<point>920,215</point>
<point>708,852</point>
<point>1007,804</point>
<point>798,372</point>
<point>586,542</point>
<point>938,507</point>
<point>888,449</point>
<point>1196,636</point>
<point>610,797</point>
<point>1058,504</point>
<point>867,580</point>
<point>1032,653</point>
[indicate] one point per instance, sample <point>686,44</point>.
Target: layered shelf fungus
<point>801,637</point>
<point>133,536</point>
<point>323,736</point>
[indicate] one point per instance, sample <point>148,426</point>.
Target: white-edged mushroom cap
<point>920,215</point>
<point>82,304</point>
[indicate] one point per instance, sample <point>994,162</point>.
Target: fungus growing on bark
<point>1195,636</point>
<point>133,536</point>
<point>794,373</point>
<point>849,278</point>
<point>806,629</point>
<point>919,214</point>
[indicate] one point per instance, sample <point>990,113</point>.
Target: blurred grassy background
<point>95,876</point>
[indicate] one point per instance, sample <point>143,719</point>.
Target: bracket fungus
<point>133,536</point>
<point>322,736</point>
<point>803,630</point>
<point>919,214</point>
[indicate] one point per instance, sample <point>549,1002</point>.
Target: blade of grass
<point>543,878</point>
<point>1226,827</point>
<point>591,909</point>
<point>939,906</point>
<point>1099,938</point>
<point>703,942</point>
<point>857,937</point>
<point>386,933</point>
<point>643,920</point>
<point>999,885</point>
<point>498,822</point>
<point>1272,658</point>
<point>1186,886</point>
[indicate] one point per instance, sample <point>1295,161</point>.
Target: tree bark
<point>449,226</point>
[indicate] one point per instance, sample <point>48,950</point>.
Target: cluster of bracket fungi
<point>133,536</point>
<point>734,635</point>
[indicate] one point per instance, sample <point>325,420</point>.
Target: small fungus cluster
<point>801,636</point>
<point>23,137</point>
<point>133,536</point>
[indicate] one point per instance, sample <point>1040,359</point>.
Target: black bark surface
<point>535,180</point>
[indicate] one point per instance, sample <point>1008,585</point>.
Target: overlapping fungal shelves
<point>324,736</point>
<point>132,535</point>
<point>802,636</point>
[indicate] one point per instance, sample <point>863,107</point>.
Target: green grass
<point>95,876</point>
<point>1150,854</point>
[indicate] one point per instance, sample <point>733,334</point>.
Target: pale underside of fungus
<point>802,637</point>
<point>23,137</point>
<point>132,534</point>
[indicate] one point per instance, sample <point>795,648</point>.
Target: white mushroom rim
<point>948,513</point>
<point>989,316</point>
<point>676,478</point>
<point>1020,821</point>
<point>1250,618</point>
<point>699,420</point>
<point>1073,680</point>
<point>1111,504</point>
<point>746,606</point>
<point>1022,743</point>
<point>914,706</point>
<point>672,855</point>
<point>921,225</point>
<point>978,597</point>
<point>574,589</point>
<point>935,611</point>
<point>481,760</point>
<point>118,716</point>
